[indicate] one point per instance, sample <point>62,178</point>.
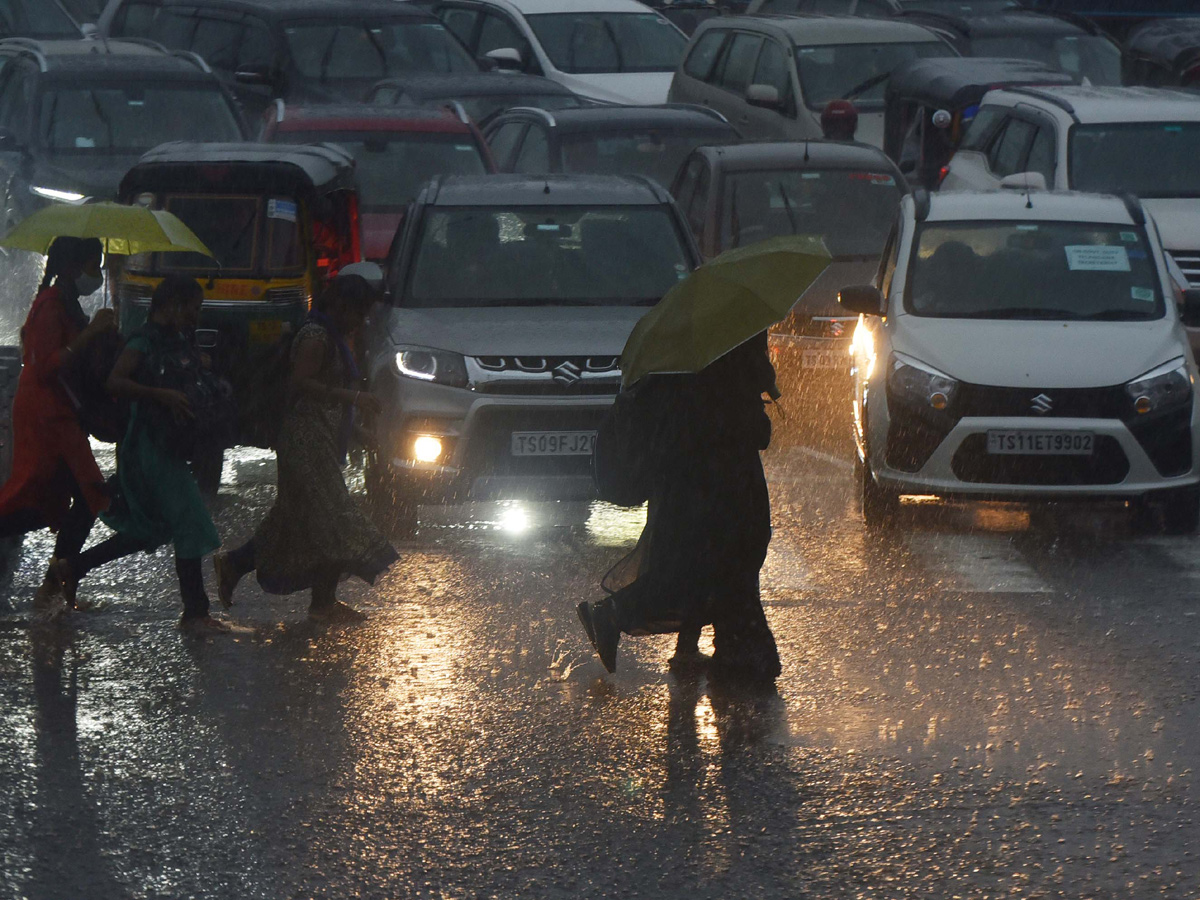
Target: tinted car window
<point>1041,154</point>
<point>216,41</point>
<point>609,42</point>
<point>534,155</point>
<point>499,33</point>
<point>503,141</point>
<point>773,70</point>
<point>981,127</point>
<point>657,153</point>
<point>1008,153</point>
<point>257,48</point>
<point>1084,56</point>
<point>35,18</point>
<point>361,50</point>
<point>1149,159</point>
<point>134,19</point>
<point>739,62</point>
<point>1048,270</point>
<point>174,29</point>
<point>700,61</point>
<point>545,256</point>
<point>844,70</point>
<point>461,22</point>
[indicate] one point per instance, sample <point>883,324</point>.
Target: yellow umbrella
<point>723,304</point>
<point>124,230</point>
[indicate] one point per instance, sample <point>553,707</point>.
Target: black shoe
<point>601,627</point>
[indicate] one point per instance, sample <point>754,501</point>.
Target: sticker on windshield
<point>1129,237</point>
<point>1027,228</point>
<point>1140,293</point>
<point>810,176</point>
<point>82,143</point>
<point>1096,258</point>
<point>281,209</point>
<point>873,178</point>
<point>461,148</point>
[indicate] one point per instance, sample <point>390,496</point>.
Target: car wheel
<point>1181,510</point>
<point>392,503</point>
<point>879,505</point>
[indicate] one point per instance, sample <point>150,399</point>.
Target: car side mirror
<point>1024,181</point>
<point>506,58</point>
<point>764,96</point>
<point>862,298</point>
<point>1189,309</point>
<point>254,75</point>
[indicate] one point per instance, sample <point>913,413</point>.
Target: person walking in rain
<point>55,482</point>
<point>709,519</point>
<point>316,534</point>
<point>157,499</point>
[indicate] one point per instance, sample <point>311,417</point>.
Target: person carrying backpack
<point>158,500</point>
<point>55,482</point>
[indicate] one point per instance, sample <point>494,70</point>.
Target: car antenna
<point>806,149</point>
<point>546,189</point>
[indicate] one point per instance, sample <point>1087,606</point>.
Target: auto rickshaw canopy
<point>1164,52</point>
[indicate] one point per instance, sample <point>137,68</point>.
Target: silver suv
<point>511,299</point>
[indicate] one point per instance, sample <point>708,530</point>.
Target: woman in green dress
<point>316,534</point>
<point>158,500</point>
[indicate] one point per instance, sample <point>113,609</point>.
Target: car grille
<point>1189,261</point>
<point>1066,403</point>
<point>546,375</point>
<point>286,295</point>
<point>973,464</point>
<point>489,450</point>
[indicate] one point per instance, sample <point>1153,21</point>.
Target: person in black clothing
<point>709,520</point>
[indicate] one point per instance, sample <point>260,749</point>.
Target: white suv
<point>1138,140</point>
<point>1025,346</point>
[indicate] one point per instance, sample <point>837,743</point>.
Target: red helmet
<point>839,117</point>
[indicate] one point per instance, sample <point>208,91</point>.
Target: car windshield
<point>345,50</point>
<point>1149,159</point>
<point>1085,56</point>
<point>129,118</point>
<point>851,210</point>
<point>583,43</point>
<point>657,153</point>
<point>35,18</point>
<point>392,167</point>
<point>546,256</point>
<point>234,228</point>
<point>856,71</point>
<point>1064,271</point>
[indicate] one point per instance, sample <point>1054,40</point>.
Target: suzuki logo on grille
<point>1041,404</point>
<point>567,374</point>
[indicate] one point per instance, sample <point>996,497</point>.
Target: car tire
<point>1181,510</point>
<point>392,503</point>
<point>880,506</point>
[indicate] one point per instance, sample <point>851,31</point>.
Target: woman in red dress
<point>55,482</point>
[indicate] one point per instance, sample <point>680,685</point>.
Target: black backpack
<point>623,458</point>
<point>262,385</point>
<point>84,376</point>
<point>213,420</point>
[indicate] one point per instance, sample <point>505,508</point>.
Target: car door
<point>734,72</point>
<point>969,168</point>
<point>693,80</point>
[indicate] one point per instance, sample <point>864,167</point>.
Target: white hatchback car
<point>608,51</point>
<point>1025,346</point>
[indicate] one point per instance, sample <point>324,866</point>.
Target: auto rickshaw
<point>280,221</point>
<point>930,102</point>
<point>1164,53</point>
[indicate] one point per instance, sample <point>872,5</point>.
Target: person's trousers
<point>191,588</point>
<point>72,532</point>
<point>190,572</point>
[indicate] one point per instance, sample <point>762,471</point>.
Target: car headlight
<point>913,381</point>
<point>1168,386</point>
<point>58,196</point>
<point>427,364</point>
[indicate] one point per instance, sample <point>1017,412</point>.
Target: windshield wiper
<point>787,205</point>
<point>383,63</point>
<point>866,85</point>
<point>103,118</point>
<point>1023,312</point>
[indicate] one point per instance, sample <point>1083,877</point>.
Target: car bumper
<point>960,465</point>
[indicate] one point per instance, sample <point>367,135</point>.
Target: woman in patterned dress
<point>316,534</point>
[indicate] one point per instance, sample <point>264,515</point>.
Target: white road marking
<point>983,563</point>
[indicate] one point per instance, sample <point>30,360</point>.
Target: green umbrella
<point>723,304</point>
<point>124,230</point>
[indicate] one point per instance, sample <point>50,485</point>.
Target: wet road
<point>986,704</point>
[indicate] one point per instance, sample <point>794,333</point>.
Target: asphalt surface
<point>991,702</point>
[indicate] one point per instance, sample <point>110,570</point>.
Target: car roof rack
<point>1043,94</point>
<point>31,47</point>
<point>695,107</point>
<point>457,108</point>
<point>537,111</point>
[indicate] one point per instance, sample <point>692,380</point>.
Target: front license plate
<point>823,359</point>
<point>1040,443</point>
<point>553,443</point>
<point>266,331</point>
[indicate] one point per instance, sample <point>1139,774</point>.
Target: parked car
<point>482,95</point>
<point>876,9</point>
<point>1144,141</point>
<point>611,51</point>
<point>772,77</point>
<point>40,19</point>
<point>314,51</point>
<point>128,18</point>
<point>75,115</point>
<point>1025,347</point>
<point>620,140</point>
<point>847,194</point>
<point>396,150</point>
<point>687,15</point>
<point>930,103</point>
<point>1117,17</point>
<point>1067,43</point>
<point>512,298</point>
<point>1164,53</point>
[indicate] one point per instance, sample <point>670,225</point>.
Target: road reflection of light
<point>515,520</point>
<point>706,721</point>
<point>615,526</point>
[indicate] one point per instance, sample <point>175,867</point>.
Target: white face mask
<point>88,284</point>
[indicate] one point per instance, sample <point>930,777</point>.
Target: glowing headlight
<point>58,196</point>
<point>427,448</point>
<point>426,364</point>
<point>917,383</point>
<point>1167,386</point>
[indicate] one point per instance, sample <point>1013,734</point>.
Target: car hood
<point>1039,354</point>
<point>517,331</point>
<point>94,175</point>
<point>643,88</point>
<point>378,229</point>
<point>1178,222</point>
